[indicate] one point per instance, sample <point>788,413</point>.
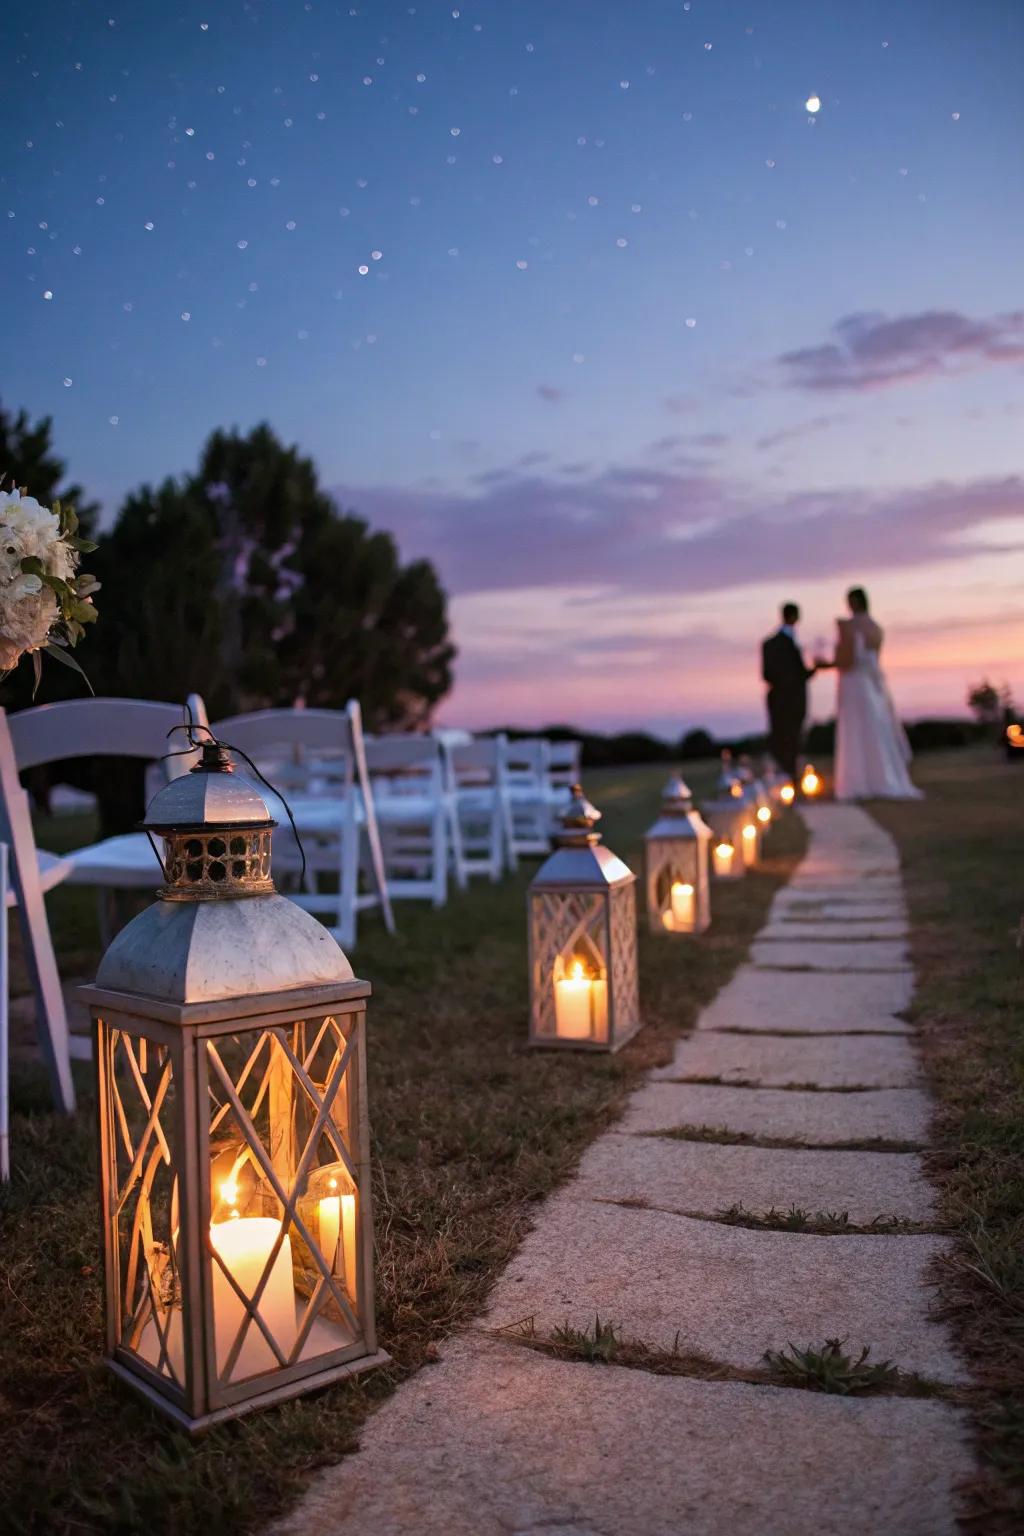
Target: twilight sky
<point>575,296</point>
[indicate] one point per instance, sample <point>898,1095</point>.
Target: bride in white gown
<point>872,750</point>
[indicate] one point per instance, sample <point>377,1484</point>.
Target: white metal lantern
<point>584,991</point>
<point>727,820</point>
<point>234,1142</point>
<point>676,863</point>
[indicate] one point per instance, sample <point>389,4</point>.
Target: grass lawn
<point>963,856</point>
<point>470,1131</point>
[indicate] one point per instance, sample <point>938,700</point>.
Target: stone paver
<point>828,1061</point>
<point>825,931</point>
<point>776,1000</point>
<point>702,1178</point>
<point>724,1291</point>
<point>894,1114</point>
<point>813,955</point>
<point>500,1441</point>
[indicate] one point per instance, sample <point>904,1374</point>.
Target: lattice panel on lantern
<point>285,1246</point>
<point>144,1185</point>
<point>624,978</point>
<point>565,928</point>
<point>212,861</point>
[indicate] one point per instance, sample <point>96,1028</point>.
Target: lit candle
<point>764,815</point>
<point>722,857</point>
<point>580,1005</point>
<point>787,794</point>
<point>244,1243</point>
<point>338,1219</point>
<point>684,908</point>
<point>810,783</point>
<point>749,845</point>
<point>736,789</point>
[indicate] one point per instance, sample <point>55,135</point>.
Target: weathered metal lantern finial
<point>583,971</point>
<point>234,1144</point>
<point>676,862</point>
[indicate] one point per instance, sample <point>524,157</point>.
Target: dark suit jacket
<point>783,669</point>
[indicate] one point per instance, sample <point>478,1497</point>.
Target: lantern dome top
<point>210,795</point>
<point>579,860</point>
<point>676,797</point>
<point>677,819</point>
<point>207,951</point>
<point>579,819</point>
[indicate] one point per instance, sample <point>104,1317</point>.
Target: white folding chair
<point>51,733</point>
<point>328,790</point>
<point>565,759</point>
<point>408,786</point>
<point>477,809</point>
<point>525,783</point>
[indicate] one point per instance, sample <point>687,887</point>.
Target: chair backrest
<point>526,761</point>
<point>329,744</point>
<point>138,728</point>
<point>403,755</point>
<point>476,761</point>
<point>564,759</point>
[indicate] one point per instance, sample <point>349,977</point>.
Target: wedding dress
<point>872,750</point>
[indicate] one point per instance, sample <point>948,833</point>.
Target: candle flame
<point>749,831</point>
<point>810,783</point>
<point>724,849</point>
<point>1015,735</point>
<point>680,889</point>
<point>736,790</point>
<point>764,814</point>
<point>577,971</point>
<point>787,794</point>
<point>229,1192</point>
<point>332,1183</point>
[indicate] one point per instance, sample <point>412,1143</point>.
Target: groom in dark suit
<point>784,670</point>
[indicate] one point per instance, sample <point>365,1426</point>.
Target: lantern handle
<point>190,726</point>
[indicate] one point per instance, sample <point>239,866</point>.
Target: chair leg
<point>5,1033</point>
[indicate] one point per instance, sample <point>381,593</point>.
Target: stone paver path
<point>805,1052</point>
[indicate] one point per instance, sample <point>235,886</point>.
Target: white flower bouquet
<point>45,600</point>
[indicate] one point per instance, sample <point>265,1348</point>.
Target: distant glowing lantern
<point>676,863</point>
<point>810,783</point>
<point>727,820</point>
<point>764,815</point>
<point>234,1143</point>
<point>1015,742</point>
<point>583,969</point>
<point>750,844</point>
<point>724,862</point>
<point>787,794</point>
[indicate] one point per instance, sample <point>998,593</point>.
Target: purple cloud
<point>641,530</point>
<point>872,351</point>
<point>791,434</point>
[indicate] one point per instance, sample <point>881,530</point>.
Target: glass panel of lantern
<point>727,820</point>
<point>676,863</point>
<point>234,1138</point>
<point>584,990</point>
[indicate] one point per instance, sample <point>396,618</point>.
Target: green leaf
<point>68,661</point>
<point>84,546</point>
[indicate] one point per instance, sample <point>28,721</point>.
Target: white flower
<point>28,608</point>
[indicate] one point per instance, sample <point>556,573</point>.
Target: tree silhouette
<point>244,583</point>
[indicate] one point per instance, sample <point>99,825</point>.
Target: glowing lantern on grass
<point>676,850</point>
<point>810,783</point>
<point>583,970</point>
<point>234,1144</point>
<point>730,851</point>
<point>787,794</point>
